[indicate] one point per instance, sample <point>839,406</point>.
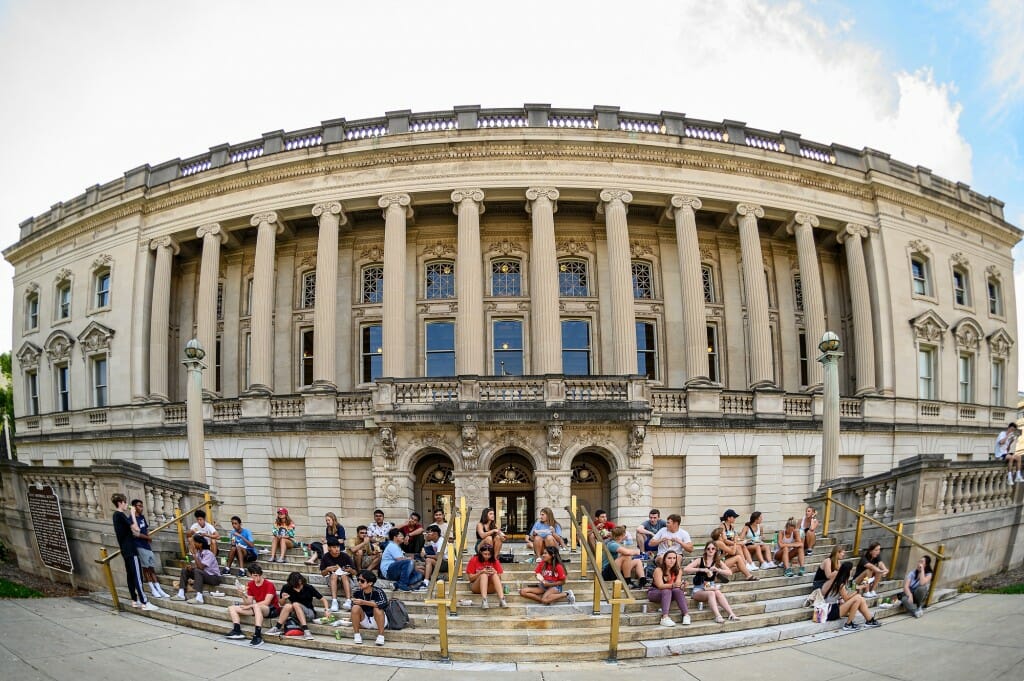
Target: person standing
<point>126,541</point>
<point>143,547</point>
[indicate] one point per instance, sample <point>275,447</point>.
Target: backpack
<point>398,616</point>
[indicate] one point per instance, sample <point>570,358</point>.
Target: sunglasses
<point>362,581</point>
<point>486,551</point>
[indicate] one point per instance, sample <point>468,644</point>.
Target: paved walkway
<point>972,638</point>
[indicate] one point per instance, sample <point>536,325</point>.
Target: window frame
<point>307,290</point>
<point>588,351</point>
<point>927,277</point>
<point>933,388</point>
<point>995,303</point>
<point>498,353</point>
<point>707,276</point>
<point>305,357</point>
<point>378,289</point>
<point>32,392</point>
<point>62,307</point>
<point>102,297</point>
<point>586,275</point>
<point>367,353</point>
<point>798,292</point>
<point>519,288</point>
<point>636,264</point>
<point>100,390</point>
<point>965,384</point>
<point>803,358</point>
<point>997,375</point>
<point>428,353</point>
<point>961,294</point>
<point>32,311</point>
<point>444,293</point>
<point>62,375</point>
<point>713,339</point>
<point>651,352</point>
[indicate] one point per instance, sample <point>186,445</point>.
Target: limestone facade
<point>516,306</point>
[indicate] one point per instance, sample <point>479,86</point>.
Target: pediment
<point>968,334</point>
<point>1000,343</point>
<point>58,346</point>
<point>28,355</point>
<point>929,327</point>
<point>95,338</point>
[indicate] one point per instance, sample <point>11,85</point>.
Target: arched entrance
<point>434,485</point>
<point>511,494</point>
<point>591,482</point>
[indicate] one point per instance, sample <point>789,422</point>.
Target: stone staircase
<point>770,609</point>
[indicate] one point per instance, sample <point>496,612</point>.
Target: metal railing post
<point>828,511</point>
<point>181,539</point>
<point>613,641</point>
<point>442,619</point>
<point>209,508</point>
<point>572,526</point>
<point>860,527</point>
<point>109,575</point>
<point>935,573</point>
<point>896,546</point>
<point>597,578</point>
<point>583,557</point>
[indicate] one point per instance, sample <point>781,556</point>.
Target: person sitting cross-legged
<point>368,604</point>
<point>336,567</point>
<point>204,571</point>
<point>259,599</point>
<point>550,586</point>
<point>398,567</point>
<point>297,601</point>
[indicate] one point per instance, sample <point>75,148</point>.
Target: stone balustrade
<point>666,125</point>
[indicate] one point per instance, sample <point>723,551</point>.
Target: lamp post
<point>829,359</point>
<point>193,362</point>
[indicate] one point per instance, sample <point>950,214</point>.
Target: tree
<point>6,401</point>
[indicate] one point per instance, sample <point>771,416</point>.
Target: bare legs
<point>715,600</point>
<point>540,594</point>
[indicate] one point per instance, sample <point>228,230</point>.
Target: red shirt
<point>258,593</point>
<point>476,565</point>
<point>555,574</point>
<point>604,530</point>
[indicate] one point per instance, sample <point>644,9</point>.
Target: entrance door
<point>513,511</point>
<point>435,486</point>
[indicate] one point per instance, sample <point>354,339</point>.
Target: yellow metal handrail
<point>897,532</point>
<point>455,569</point>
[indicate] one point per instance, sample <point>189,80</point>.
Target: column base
<point>321,386</point>
<point>866,390</point>
<point>157,397</point>
<point>764,385</point>
<point>257,390</point>
<point>699,382</point>
<point>817,389</point>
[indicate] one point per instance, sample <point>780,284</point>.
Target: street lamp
<point>193,362</point>
<point>829,359</point>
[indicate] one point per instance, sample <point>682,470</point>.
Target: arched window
<point>308,299</point>
<point>506,278</point>
<point>373,284</point>
<point>643,281</point>
<point>440,280</point>
<point>573,278</point>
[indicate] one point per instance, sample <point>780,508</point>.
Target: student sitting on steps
<point>669,586</point>
<point>791,547</point>
<point>849,603</point>
<point>705,570</point>
<point>551,576</point>
<point>204,570</point>
<point>242,547</point>
<point>297,601</point>
<point>484,572</point>
<point>735,562</point>
<point>752,536</point>
<point>368,604</point>
<point>259,599</point>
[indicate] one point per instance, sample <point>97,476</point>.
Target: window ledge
<point>922,296</point>
<point>98,310</point>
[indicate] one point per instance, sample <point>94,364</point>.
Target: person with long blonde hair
<point>829,566</point>
<point>545,532</point>
<point>332,529</point>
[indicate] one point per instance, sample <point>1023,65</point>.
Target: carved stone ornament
<point>308,262</point>
<point>549,193</point>
<point>802,220</point>
<point>959,258</point>
<point>749,210</point>
<point>439,249</point>
<point>95,338</point>
<point>510,438</point>
<point>610,195</point>
<point>28,356</point>
<point>428,439</point>
<point>268,217</point>
<point>636,445</point>
<point>390,490</point>
<point>707,252</point>
<point>596,438</point>
<point>399,201</point>
<point>330,208</point>
<point>634,490</point>
<point>554,446</point>
<point>505,247</point>
<point>1000,343</point>
<point>640,248</point>
<point>993,273</point>
<point>470,447</point>
<point>31,288</point>
<point>473,194</point>
<point>680,201</point>
<point>474,489</point>
<point>63,275</point>
<point>212,229</point>
<point>571,246</point>
<point>102,260</point>
<point>929,327</point>
<point>165,242</point>
<point>968,334</point>
<point>58,346</point>
<point>852,230</point>
<point>388,446</point>
<point>918,246</point>
<point>553,490</point>
<point>372,253</point>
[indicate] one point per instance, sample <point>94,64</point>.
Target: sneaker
<point>686,619</point>
<point>217,594</point>
<point>800,573</point>
<point>666,621</point>
<point>1009,479</point>
<point>380,640</point>
<point>919,612</point>
<point>357,638</point>
<point>334,605</point>
<point>242,572</point>
<point>347,605</point>
<point>1018,477</point>
<point>870,594</point>
<point>808,552</point>
<point>851,626</point>
<point>274,631</point>
<point>307,635</point>
<point>422,587</point>
<point>788,572</point>
<point>751,567</point>
<point>503,603</point>
<point>769,565</point>
<point>199,598</point>
<point>341,623</point>
<point>571,597</point>
<point>235,634</point>
<point>872,623</point>
<point>180,596</point>
<point>149,607</point>
<point>225,571</point>
<point>136,604</point>
<point>256,641</point>
<point>484,604</point>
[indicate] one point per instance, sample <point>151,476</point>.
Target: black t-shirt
<point>376,595</point>
<point>123,530</point>
<point>306,595</point>
<point>863,564</point>
<point>341,559</point>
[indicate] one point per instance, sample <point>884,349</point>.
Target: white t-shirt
<point>673,540</point>
<point>207,530</point>
<point>1004,442</point>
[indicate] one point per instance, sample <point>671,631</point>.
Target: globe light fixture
<point>829,342</point>
<point>193,350</point>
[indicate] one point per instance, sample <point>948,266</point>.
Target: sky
<point>90,89</point>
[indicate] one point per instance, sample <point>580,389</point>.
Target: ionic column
<point>802,227</point>
<point>396,211</point>
<point>325,334</point>
<point>206,300</point>
<point>755,290</point>
<point>852,237</point>
<point>469,322</point>
<point>545,331</point>
<point>261,369</point>
<point>160,317</point>
<point>613,205</point>
<point>683,210</point>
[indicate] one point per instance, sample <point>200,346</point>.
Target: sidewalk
<point>973,637</point>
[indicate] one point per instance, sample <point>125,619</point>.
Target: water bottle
<point>305,550</point>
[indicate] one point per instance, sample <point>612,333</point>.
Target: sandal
<point>719,620</point>
<point>734,618</point>
<point>752,578</point>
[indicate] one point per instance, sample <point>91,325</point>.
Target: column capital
<point>610,195</point>
<point>398,199</point>
<point>745,209</point>
<point>802,219</point>
<point>212,229</point>
<point>852,230</point>
<point>269,218</point>
<point>474,194</point>
<point>683,201</point>
<point>165,242</point>
<point>534,193</point>
<point>330,208</point>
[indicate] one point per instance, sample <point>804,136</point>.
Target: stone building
<point>516,305</point>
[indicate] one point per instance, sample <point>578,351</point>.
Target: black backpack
<point>398,616</point>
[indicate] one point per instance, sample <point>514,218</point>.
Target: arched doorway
<point>591,482</point>
<point>434,486</point>
<point>511,494</point>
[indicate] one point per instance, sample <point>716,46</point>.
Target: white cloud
<point>1006,33</point>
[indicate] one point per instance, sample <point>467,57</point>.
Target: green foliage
<point>7,394</point>
<point>10,589</point>
<point>1010,589</point>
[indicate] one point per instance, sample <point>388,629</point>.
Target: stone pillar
<point>397,210</point>
<point>261,368</point>
<point>613,206</point>
<point>206,304</point>
<point>755,290</point>
<point>160,315</point>
<point>545,330</point>
<point>469,323</point>
<point>852,237</point>
<point>325,333</point>
<point>683,210</point>
<point>142,291</point>
<point>802,227</point>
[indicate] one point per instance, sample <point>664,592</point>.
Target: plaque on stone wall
<point>48,528</point>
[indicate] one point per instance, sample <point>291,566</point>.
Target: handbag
<point>813,599</point>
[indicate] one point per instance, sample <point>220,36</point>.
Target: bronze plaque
<point>48,528</point>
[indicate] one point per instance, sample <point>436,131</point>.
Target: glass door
<point>513,511</point>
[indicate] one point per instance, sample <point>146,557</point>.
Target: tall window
<point>371,351</point>
<point>440,352</point>
<point>643,281</point>
<point>218,373</point>
<point>804,359</point>
<point>506,278</point>
<point>965,372</point>
<point>99,381</point>
<point>573,279</point>
<point>961,294</point>
<point>63,387</point>
<point>919,276</point>
<point>440,280</point>
<point>103,288</point>
<point>248,298</point>
<point>64,300</point>
<point>32,311</point>
<point>997,382</point>
<point>926,372</point>
<point>32,390</point>
<point>798,294</point>
<point>248,359</point>
<point>708,277</point>
<point>306,358</point>
<point>575,347</point>
<point>508,347</point>
<point>714,370</point>
<point>995,297</point>
<point>220,300</point>
<point>308,290</point>
<point>646,350</point>
<point>373,284</point>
